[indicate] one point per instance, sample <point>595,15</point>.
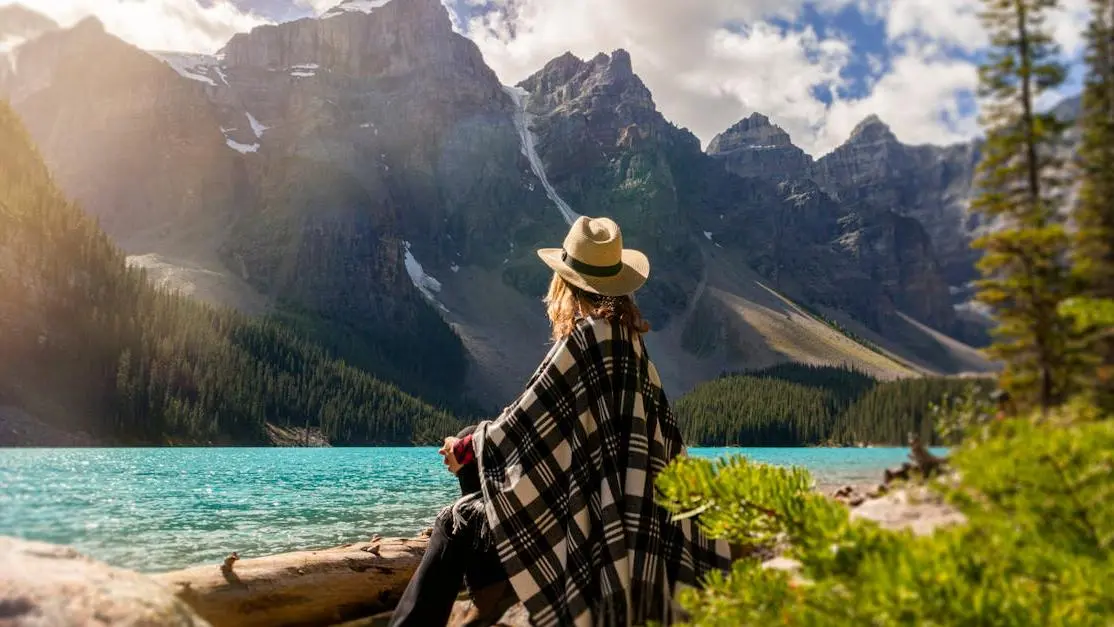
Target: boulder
<point>45,585</point>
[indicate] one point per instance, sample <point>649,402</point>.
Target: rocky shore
<point>19,428</point>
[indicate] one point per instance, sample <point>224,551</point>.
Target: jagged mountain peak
<point>1069,109</point>
<point>432,10</point>
<point>617,67</point>
<point>754,120</point>
<point>606,79</point>
<point>91,25</point>
<point>565,67</point>
<point>366,39</point>
<point>872,128</point>
<point>619,61</point>
<point>754,131</point>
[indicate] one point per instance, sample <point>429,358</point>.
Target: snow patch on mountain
<point>241,148</point>
<point>304,70</point>
<point>256,126</point>
<point>522,121</point>
<point>8,44</point>
<point>9,51</point>
<point>170,276</point>
<point>354,6</point>
<point>13,39</point>
<point>427,285</point>
<point>196,67</point>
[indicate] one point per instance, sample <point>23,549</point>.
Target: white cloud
<point>182,25</point>
<point>317,6</point>
<point>711,62</point>
<point>918,98</point>
<point>708,63</point>
<point>952,22</point>
<point>956,22</point>
<point>781,72</point>
<point>1069,25</point>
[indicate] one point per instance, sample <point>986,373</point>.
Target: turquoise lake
<point>162,509</point>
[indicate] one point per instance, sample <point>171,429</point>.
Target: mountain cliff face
<point>931,184</point>
<point>378,138</point>
<point>757,148</point>
<point>609,151</point>
<point>108,117</point>
<point>903,209</point>
<point>368,178</point>
<point>297,163</point>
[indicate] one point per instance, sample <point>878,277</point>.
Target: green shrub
<point>1036,549</point>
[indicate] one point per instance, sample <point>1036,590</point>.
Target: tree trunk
<point>307,588</point>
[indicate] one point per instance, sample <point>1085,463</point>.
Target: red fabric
<point>463,452</point>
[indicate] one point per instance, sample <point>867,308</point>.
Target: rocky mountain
<point>873,172</point>
<point>931,184</point>
<point>365,177</point>
<point>92,349</point>
<point>757,148</point>
<point>606,147</point>
<point>121,131</point>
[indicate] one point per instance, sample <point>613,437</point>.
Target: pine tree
<point>1024,268</point>
<point>1094,211</point>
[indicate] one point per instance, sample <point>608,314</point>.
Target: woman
<point>565,513</point>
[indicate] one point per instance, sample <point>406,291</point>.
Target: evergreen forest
<point>801,405</point>
<point>88,345</point>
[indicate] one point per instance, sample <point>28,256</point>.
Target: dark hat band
<point>588,269</point>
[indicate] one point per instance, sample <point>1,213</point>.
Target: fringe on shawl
<point>467,514</point>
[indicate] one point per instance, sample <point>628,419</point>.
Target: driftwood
<point>324,587</point>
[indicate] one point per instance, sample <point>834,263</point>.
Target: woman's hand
<point>447,452</point>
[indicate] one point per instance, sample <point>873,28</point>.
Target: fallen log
<point>306,588</point>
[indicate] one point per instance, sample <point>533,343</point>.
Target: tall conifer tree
<point>1020,189</point>
<point>1094,212</point>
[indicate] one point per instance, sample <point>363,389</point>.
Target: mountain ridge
<point>380,185</point>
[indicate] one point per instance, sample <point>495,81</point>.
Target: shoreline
<point>354,584</point>
<point>22,430</point>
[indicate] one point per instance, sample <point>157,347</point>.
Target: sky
<point>815,67</point>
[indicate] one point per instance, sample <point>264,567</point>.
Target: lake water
<point>162,509</point>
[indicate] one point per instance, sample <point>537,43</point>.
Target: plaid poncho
<point>567,473</point>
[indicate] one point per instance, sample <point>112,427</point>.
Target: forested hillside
<point>87,344</point>
<point>801,405</point>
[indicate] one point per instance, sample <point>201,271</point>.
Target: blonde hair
<point>567,304</point>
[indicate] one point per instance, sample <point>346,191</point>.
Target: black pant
<point>451,555</point>
<point>429,597</point>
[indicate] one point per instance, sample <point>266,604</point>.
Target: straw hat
<point>593,259</point>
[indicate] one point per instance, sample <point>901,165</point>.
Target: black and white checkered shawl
<point>567,473</point>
